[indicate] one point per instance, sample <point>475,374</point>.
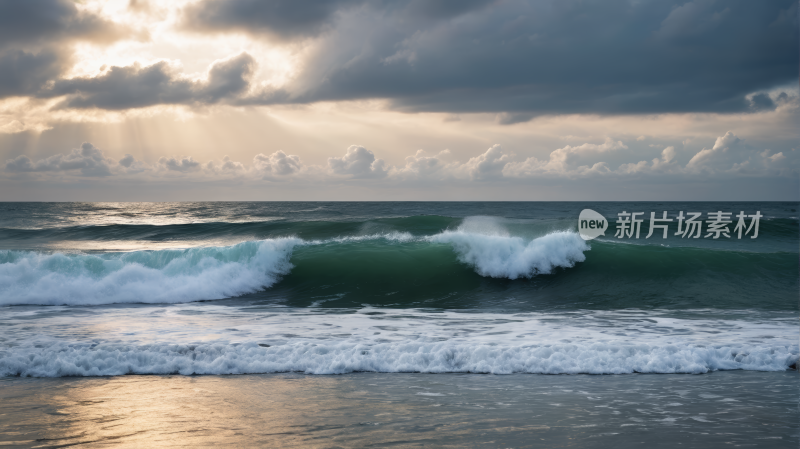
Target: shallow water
<point>722,409</point>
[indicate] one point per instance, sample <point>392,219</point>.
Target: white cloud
<point>20,164</point>
<point>777,157</point>
<point>729,156</point>
<point>666,163</point>
<point>226,166</point>
<point>277,163</point>
<point>129,164</point>
<point>566,161</point>
<point>88,160</point>
<point>488,165</point>
<point>420,165</point>
<point>668,154</point>
<point>183,165</point>
<point>727,151</point>
<point>358,162</point>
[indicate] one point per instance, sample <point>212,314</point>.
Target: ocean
<point>435,323</point>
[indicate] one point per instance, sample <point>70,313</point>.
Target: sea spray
<point>484,244</point>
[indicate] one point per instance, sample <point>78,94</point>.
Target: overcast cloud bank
<point>521,58</point>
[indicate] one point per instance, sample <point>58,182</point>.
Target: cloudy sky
<point>399,100</point>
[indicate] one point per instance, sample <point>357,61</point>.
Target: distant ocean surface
<point>99,289</point>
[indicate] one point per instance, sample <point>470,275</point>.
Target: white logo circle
<point>591,224</point>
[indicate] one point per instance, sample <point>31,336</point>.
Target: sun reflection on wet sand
<point>287,410</point>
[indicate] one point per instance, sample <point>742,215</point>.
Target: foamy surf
<point>208,339</point>
<point>108,359</point>
<point>166,276</point>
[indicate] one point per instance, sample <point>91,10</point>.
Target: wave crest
<point>502,256</point>
<point>167,276</point>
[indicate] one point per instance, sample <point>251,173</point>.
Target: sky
<point>541,100</point>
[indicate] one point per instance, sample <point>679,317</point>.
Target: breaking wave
<point>203,273</point>
<point>503,256</point>
<point>104,359</point>
<point>375,266</point>
<point>166,276</point>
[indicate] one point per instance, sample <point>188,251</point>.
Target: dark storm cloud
<point>23,73</point>
<point>303,18</point>
<point>135,86</point>
<point>443,9</point>
<point>525,58</point>
<point>545,57</point>
<point>32,38</point>
<point>41,21</point>
<point>762,102</point>
<point>517,58</point>
<point>279,18</point>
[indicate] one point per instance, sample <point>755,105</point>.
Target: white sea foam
<point>210,339</point>
<point>166,276</point>
<point>60,359</point>
<point>483,243</point>
<point>393,236</point>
